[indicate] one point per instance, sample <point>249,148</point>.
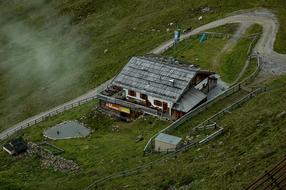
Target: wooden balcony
<point>131,105</point>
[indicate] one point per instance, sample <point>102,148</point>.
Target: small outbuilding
<point>15,147</point>
<point>167,143</point>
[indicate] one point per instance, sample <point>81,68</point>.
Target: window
<point>143,96</point>
<point>131,93</point>
<point>165,106</point>
<point>158,103</point>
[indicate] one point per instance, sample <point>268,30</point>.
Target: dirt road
<point>273,62</point>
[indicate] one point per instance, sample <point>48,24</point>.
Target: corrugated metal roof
<point>154,76</point>
<point>189,100</point>
<point>170,139</point>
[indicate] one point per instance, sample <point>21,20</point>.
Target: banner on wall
<point>118,108</point>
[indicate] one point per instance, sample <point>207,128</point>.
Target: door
<point>165,106</point>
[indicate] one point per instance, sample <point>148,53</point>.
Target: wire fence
<point>55,111</point>
<point>173,153</point>
<point>154,163</point>
<point>204,106</point>
<point>25,124</point>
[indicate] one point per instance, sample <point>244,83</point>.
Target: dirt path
<point>7,132</point>
<point>273,62</point>
<point>231,42</point>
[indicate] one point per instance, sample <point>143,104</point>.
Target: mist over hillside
<point>41,53</point>
<point>53,50</point>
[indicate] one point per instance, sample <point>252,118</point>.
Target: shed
<point>15,146</point>
<point>167,143</point>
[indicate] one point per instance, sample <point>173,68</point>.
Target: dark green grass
<point>201,54</point>
<point>102,153</point>
<point>253,142</point>
<point>123,27</point>
<point>232,62</point>
<point>249,70</point>
<point>233,160</point>
<point>185,128</point>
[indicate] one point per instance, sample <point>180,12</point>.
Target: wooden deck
<point>273,179</point>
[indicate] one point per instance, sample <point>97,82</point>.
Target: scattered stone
<point>257,121</point>
<point>188,29</point>
<point>139,138</point>
<point>153,30</point>
<point>185,187</point>
<point>171,24</point>
<point>260,125</point>
<point>188,140</point>
<point>281,115</point>
<point>236,167</point>
<point>105,51</point>
<point>115,128</point>
<point>168,30</point>
<point>200,18</point>
<point>58,163</point>
<point>205,10</point>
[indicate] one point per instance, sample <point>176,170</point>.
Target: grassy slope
<point>185,128</point>
<point>249,70</point>
<point>232,62</point>
<point>118,26</point>
<point>193,51</point>
<point>102,153</point>
<point>240,155</point>
<point>253,141</point>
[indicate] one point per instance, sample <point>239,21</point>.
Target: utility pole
<point>177,35</point>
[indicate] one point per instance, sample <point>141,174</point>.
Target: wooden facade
<point>155,86</point>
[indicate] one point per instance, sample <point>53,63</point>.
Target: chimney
<point>172,82</point>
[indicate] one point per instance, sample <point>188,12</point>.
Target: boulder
<point>139,138</point>
<point>205,10</point>
<point>281,115</point>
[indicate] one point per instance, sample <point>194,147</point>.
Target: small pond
<point>67,130</point>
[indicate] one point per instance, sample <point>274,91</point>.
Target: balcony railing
<point>131,105</point>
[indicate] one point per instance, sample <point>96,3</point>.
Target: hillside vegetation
<point>230,62</point>
<point>253,141</point>
<point>53,50</point>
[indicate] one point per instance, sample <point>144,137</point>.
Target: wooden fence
<point>24,125</point>
<point>274,178</point>
<point>149,165</point>
<point>212,136</point>
<point>211,119</point>
<point>204,106</point>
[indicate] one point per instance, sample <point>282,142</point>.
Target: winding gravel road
<point>273,62</point>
